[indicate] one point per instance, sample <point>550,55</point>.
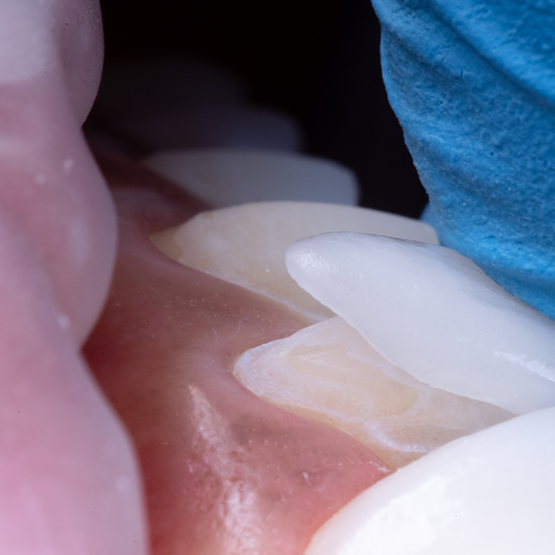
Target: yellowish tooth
<point>246,244</point>
<point>330,373</point>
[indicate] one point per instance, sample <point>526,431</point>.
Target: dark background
<point>316,59</point>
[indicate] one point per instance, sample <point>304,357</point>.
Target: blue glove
<point>473,85</point>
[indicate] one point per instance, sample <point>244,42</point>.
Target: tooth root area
<point>491,492</point>
<point>435,314</point>
<point>253,254</point>
<point>330,373</point>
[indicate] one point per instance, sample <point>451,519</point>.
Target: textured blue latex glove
<point>473,85</point>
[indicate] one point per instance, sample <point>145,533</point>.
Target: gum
<point>224,471</point>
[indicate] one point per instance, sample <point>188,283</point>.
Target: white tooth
<point>225,177</point>
<point>491,493</point>
<point>252,254</point>
<point>165,103</point>
<point>329,372</point>
<point>435,314</point>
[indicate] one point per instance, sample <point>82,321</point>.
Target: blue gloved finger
<point>473,86</point>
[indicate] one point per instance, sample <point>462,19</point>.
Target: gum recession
<point>224,471</point>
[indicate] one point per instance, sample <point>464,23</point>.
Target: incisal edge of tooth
<point>486,494</point>
<point>228,176</point>
<point>329,372</point>
<point>252,254</point>
<point>434,313</point>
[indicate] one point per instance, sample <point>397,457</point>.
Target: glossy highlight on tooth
<point>434,313</point>
<point>491,492</point>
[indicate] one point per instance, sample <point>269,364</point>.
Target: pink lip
<point>68,477</point>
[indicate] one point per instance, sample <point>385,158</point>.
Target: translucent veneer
<point>434,313</point>
<point>329,372</point>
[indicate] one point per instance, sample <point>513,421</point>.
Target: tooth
<point>435,314</point>
<point>491,492</point>
<point>253,254</point>
<point>329,372</point>
<point>225,177</point>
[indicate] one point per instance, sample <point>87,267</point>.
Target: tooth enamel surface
<point>225,177</point>
<point>252,254</point>
<point>487,494</point>
<point>435,314</point>
<point>329,372</point>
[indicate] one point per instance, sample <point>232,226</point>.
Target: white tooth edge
<point>491,493</point>
<point>226,177</point>
<point>253,254</point>
<point>435,314</point>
